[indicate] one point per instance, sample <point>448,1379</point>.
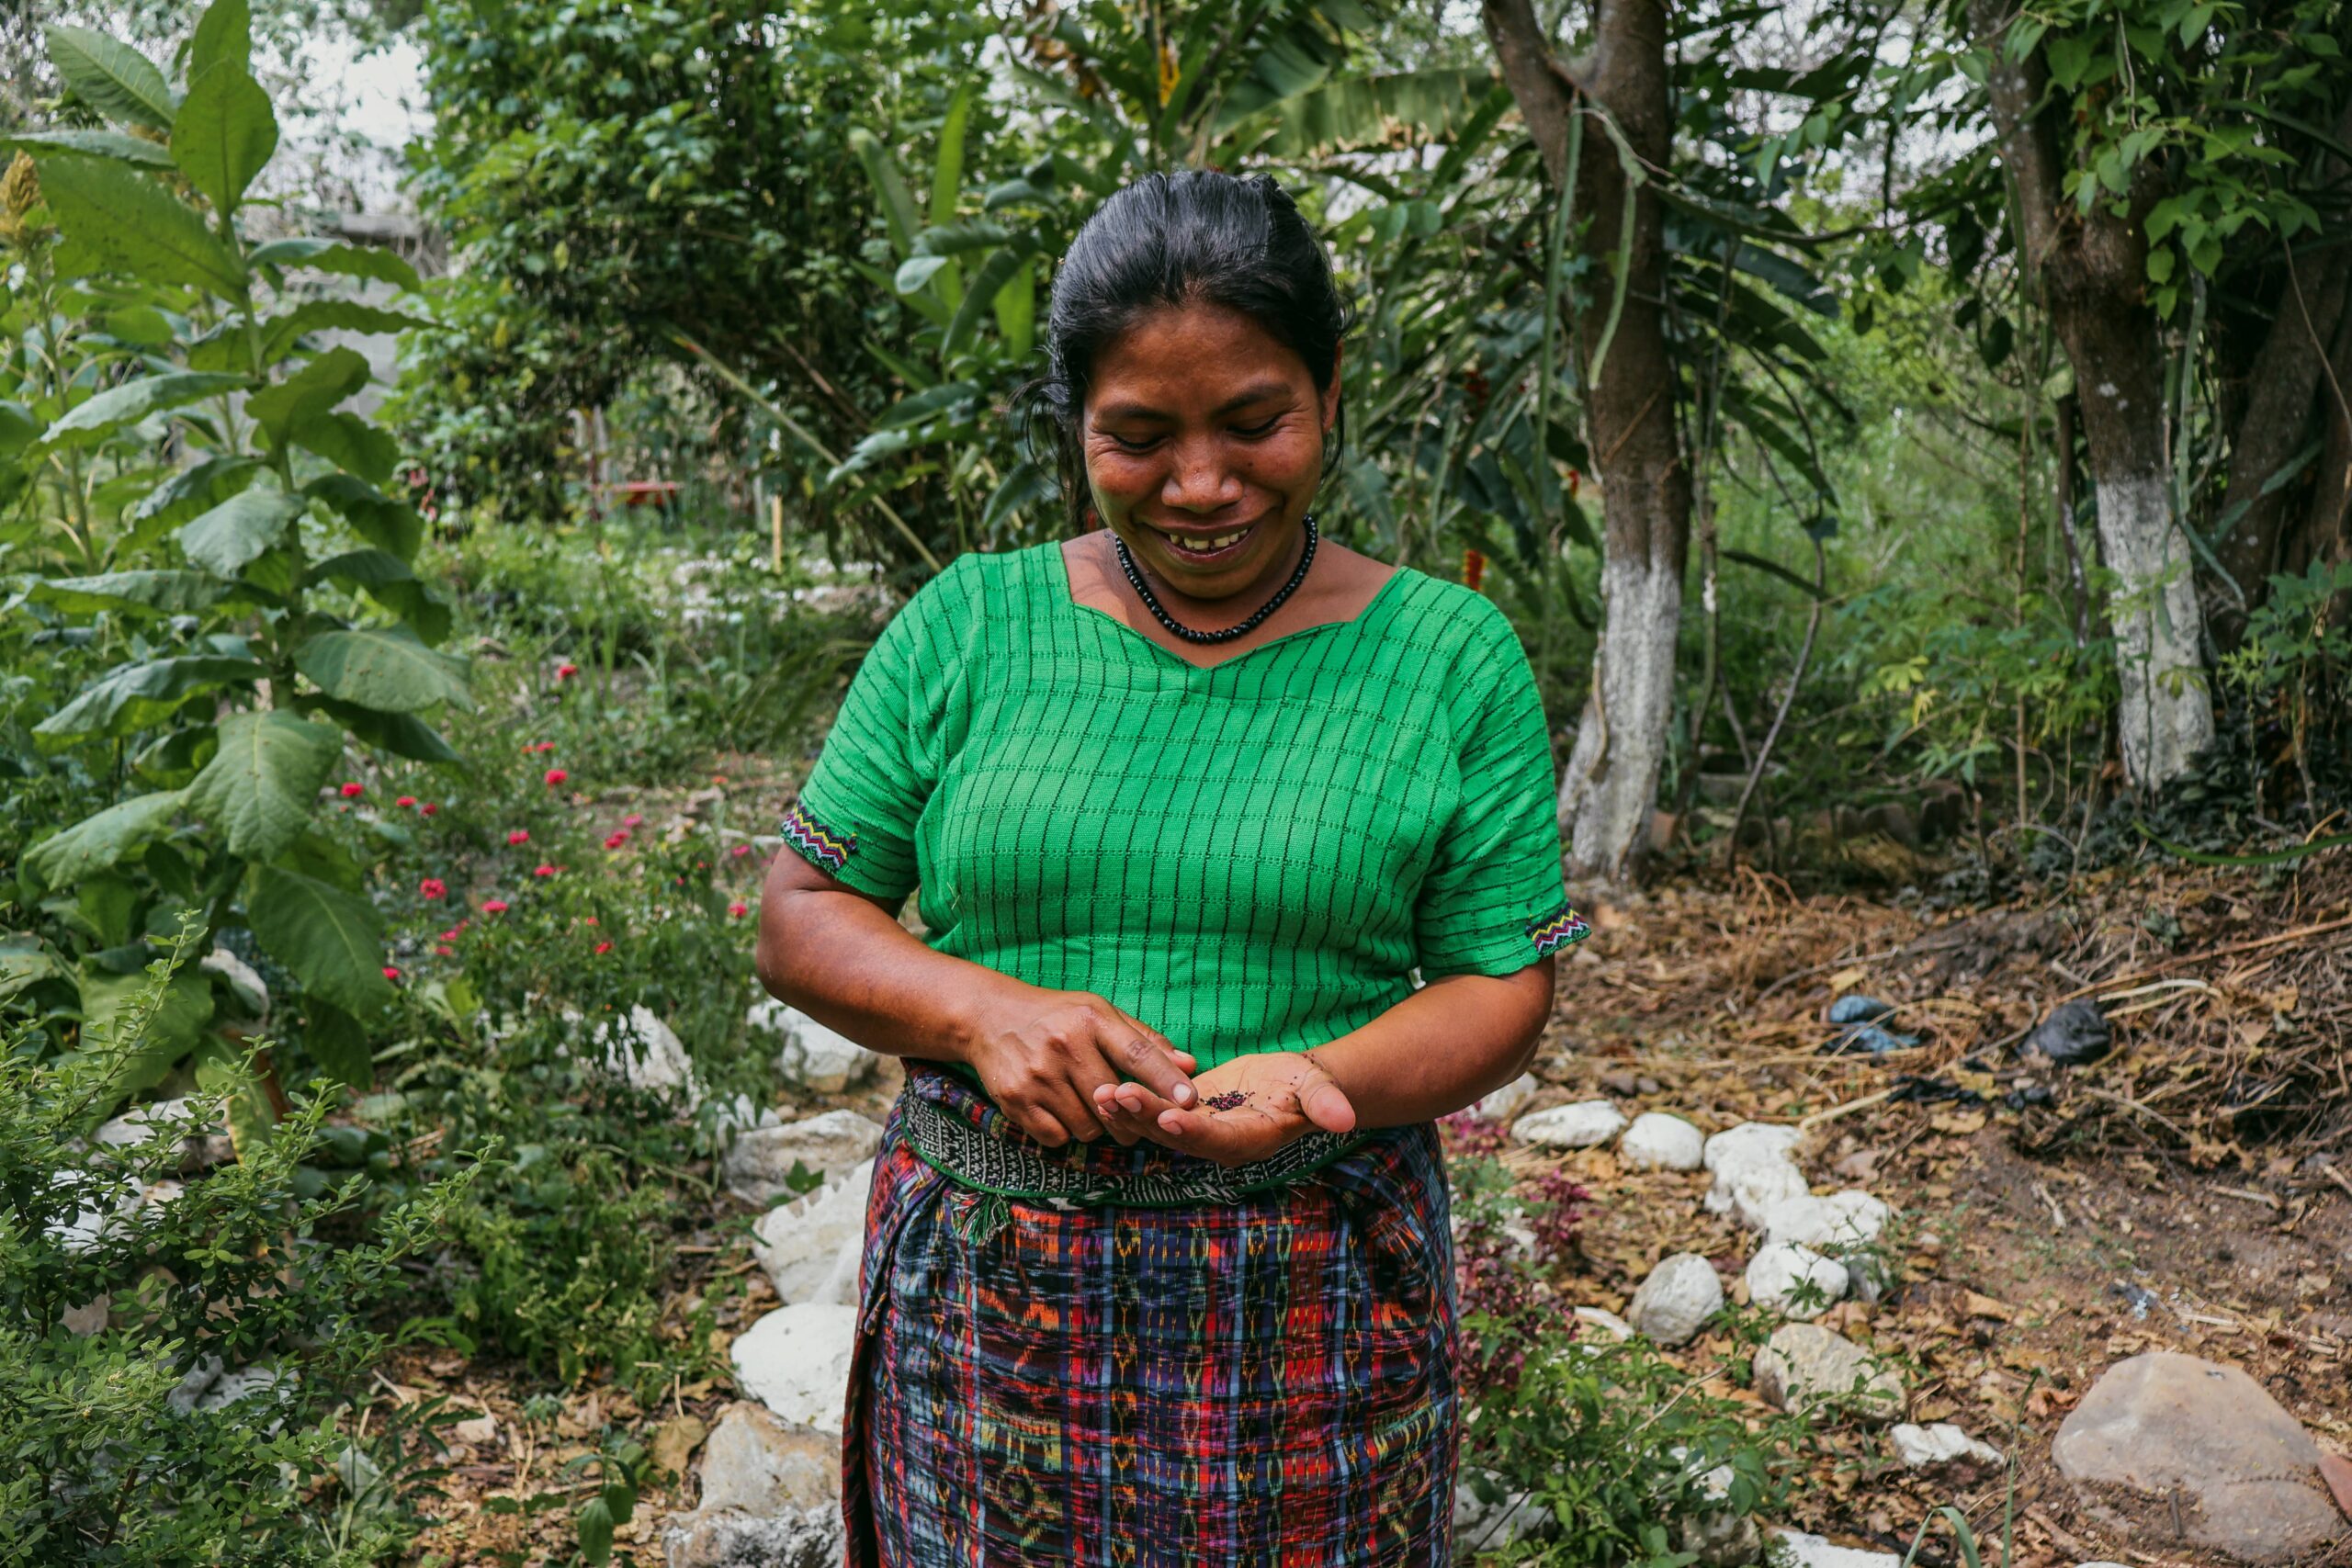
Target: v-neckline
<point>1069,596</point>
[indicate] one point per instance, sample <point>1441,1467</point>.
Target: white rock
<point>232,1386</point>
<point>1749,1141</point>
<point>1794,1549</point>
<point>1805,1367</point>
<point>1681,1294</point>
<point>738,1114</point>
<point>812,1055</point>
<point>646,1055</point>
<point>1857,1218</point>
<point>1579,1126</point>
<point>800,1244</point>
<point>758,1164</point>
<point>1753,1189</point>
<point>1657,1141</point>
<point>1840,1223</point>
<point>202,1375</point>
<point>1922,1447</point>
<point>1778,1269</point>
<point>243,982</point>
<point>1502,1104</point>
<point>143,1124</point>
<point>1606,1322</point>
<point>796,1361</point>
<point>476,1431</point>
<point>1481,1524</point>
<point>754,1463</point>
<point>1803,1220</point>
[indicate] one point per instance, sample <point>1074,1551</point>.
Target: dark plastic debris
<point>2139,1299</point>
<point>1922,1090</point>
<point>2027,1094</point>
<point>2072,1035</point>
<point>1859,1033</point>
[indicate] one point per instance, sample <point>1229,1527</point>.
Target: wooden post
<point>775,532</point>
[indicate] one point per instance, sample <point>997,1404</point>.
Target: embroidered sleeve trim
<point>815,841</point>
<point>1557,930</point>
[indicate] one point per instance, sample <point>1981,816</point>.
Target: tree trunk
<point>2092,270</point>
<point>1611,785</point>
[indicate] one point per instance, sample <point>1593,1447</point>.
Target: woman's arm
<point>844,959</point>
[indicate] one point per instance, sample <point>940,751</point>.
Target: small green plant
<point>176,1337</point>
<point>2294,669</point>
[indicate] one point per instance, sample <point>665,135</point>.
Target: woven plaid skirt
<point>1265,1381</point>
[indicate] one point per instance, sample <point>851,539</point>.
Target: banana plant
<point>204,516</point>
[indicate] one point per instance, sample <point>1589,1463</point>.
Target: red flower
<point>743,850</point>
<point>588,921</point>
<point>391,972</point>
<point>617,839</point>
<point>632,820</point>
<point>454,932</point>
<point>557,775</point>
<point>352,789</point>
<point>604,947</point>
<point>405,800</point>
<point>432,888</point>
<point>493,906</point>
<point>519,836</point>
<point>428,809</point>
<point>738,909</point>
<point>543,870</point>
<point>566,671</point>
<point>444,949</point>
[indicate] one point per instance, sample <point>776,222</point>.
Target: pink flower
<point>632,820</point>
<point>738,909</point>
<point>405,800</point>
<point>742,849</point>
<point>543,870</point>
<point>603,947</point>
<point>566,671</point>
<point>519,836</point>
<point>493,906</point>
<point>588,920</point>
<point>428,809</point>
<point>557,775</point>
<point>444,949</point>
<point>391,972</point>
<point>617,839</point>
<point>353,789</point>
<point>432,888</point>
<point>454,932</point>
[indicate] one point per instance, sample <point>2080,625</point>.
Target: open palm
<point>1249,1108</point>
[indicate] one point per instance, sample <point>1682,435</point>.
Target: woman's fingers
<point>1324,1102</point>
<point>1227,1139</point>
<point>1146,1055</point>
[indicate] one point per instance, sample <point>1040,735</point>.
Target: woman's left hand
<point>1283,1095</point>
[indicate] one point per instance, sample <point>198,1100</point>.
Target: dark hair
<point>1194,236</point>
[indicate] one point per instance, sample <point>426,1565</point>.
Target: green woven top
<point>1253,856</point>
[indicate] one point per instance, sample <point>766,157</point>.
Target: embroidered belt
<point>975,1145</point>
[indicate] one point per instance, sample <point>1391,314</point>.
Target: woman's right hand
<point>1040,1054</point>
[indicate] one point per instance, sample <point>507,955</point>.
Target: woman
<point>1158,1267</point>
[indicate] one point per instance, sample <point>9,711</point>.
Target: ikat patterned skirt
<point>1265,1381</point>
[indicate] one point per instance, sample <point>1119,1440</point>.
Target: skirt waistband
<point>959,1132</point>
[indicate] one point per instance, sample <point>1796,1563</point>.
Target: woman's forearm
<point>1442,1047</point>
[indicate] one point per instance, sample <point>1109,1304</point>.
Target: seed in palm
<point>1229,1100</point>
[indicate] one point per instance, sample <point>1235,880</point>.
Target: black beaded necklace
<point>1257,616</point>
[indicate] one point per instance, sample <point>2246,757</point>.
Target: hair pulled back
<point>1196,236</point>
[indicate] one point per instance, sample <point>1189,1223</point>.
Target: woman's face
<point>1203,442</point>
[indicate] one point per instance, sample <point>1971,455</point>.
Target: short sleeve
<point>856,815</point>
<point>1493,901</point>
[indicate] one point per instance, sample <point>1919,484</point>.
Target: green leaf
<point>310,391</point>
<point>1016,311</point>
<point>992,276</point>
<point>947,173</point>
<point>385,668</point>
<point>916,407</point>
<point>128,224</point>
<point>350,443</point>
<point>109,1007</point>
<point>389,524</point>
<point>94,843</point>
<point>332,941</point>
<point>190,491</point>
<point>595,1532</point>
<point>221,1067</point>
<point>22,961</point>
<point>402,734</point>
<point>110,76</point>
<point>94,144</point>
<point>348,260</point>
<point>224,134</point>
<point>897,206</point>
<point>152,593</point>
<point>387,580</point>
<point>233,535</point>
<point>134,400</point>
<point>338,1043</point>
<point>261,786</point>
<point>19,427</point>
<point>223,36</point>
<point>330,315</point>
<point>916,272</point>
<point>133,696</point>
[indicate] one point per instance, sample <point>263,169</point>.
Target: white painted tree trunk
<point>2166,713</point>
<point>1611,783</point>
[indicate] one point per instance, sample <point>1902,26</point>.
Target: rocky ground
<point>2109,1300</point>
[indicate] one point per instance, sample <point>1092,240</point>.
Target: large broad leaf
<point>97,143</point>
<point>994,273</point>
<point>332,941</point>
<point>233,535</point>
<point>386,579</point>
<point>19,427</point>
<point>154,593</point>
<point>134,400</point>
<point>106,840</point>
<point>129,223</point>
<point>133,696</point>
<point>260,787</point>
<point>309,392</point>
<point>24,960</point>
<point>349,261</point>
<point>351,444</point>
<point>388,669</point>
<point>192,490</point>
<point>110,76</point>
<point>338,1041</point>
<point>224,37</point>
<point>330,315</point>
<point>110,1010</point>
<point>402,734</point>
<point>224,134</point>
<point>389,524</point>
